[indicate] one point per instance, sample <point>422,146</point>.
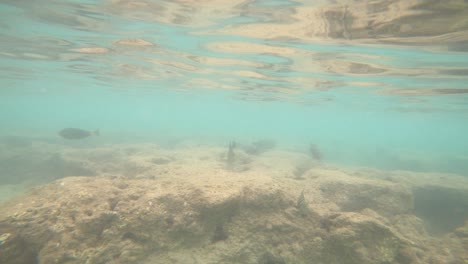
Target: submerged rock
<point>63,221</point>
<point>193,210</point>
<point>358,238</point>
<point>353,195</point>
<point>14,248</point>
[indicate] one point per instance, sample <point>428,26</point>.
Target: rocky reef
<point>190,209</point>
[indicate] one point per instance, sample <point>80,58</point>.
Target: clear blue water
<point>391,95</point>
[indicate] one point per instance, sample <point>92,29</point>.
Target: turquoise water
<point>390,95</point>
<point>233,131</point>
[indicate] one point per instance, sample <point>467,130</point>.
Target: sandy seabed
<point>201,204</point>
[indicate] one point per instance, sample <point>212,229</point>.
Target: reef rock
<point>194,210</point>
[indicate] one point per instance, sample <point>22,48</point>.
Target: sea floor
<point>192,203</point>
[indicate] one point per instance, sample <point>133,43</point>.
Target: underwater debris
<point>315,152</point>
<point>302,206</point>
<point>269,258</point>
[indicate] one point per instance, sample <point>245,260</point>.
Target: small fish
<point>76,133</point>
<point>315,152</point>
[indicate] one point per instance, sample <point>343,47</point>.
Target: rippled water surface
<point>374,83</point>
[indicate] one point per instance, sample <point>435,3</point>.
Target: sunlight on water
<point>370,75</point>
<point>295,90</point>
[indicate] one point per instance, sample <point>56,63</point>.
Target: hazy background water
<point>371,83</point>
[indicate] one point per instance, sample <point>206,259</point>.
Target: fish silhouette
<point>77,133</point>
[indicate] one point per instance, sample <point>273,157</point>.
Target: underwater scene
<point>234,131</point>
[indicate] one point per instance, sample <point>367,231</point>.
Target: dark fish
<point>76,133</point>
<point>315,152</point>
